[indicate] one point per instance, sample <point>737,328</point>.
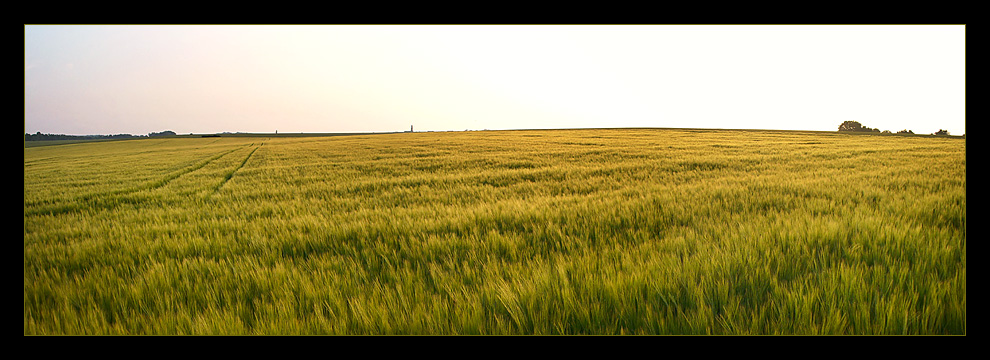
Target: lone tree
<point>942,132</point>
<point>905,131</point>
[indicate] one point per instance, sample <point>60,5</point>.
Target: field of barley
<point>593,231</point>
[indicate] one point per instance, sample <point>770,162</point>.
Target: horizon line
<point>276,133</point>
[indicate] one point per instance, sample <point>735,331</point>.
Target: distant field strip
<point>590,231</point>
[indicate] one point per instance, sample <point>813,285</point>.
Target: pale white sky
<point>333,78</point>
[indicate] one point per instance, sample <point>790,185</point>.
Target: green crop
<point>598,231</point>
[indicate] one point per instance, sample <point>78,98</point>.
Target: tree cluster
<point>39,136</point>
<point>855,126</point>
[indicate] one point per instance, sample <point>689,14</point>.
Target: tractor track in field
<point>111,199</point>
<point>180,173</point>
<point>232,172</point>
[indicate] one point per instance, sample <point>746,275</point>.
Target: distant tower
<point>410,128</point>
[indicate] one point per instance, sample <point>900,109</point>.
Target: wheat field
<point>586,231</point>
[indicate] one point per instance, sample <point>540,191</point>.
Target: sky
<point>137,79</point>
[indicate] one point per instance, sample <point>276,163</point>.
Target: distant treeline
<point>39,136</point>
<point>855,126</point>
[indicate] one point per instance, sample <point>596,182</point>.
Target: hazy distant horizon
<point>133,79</point>
<point>177,133</point>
